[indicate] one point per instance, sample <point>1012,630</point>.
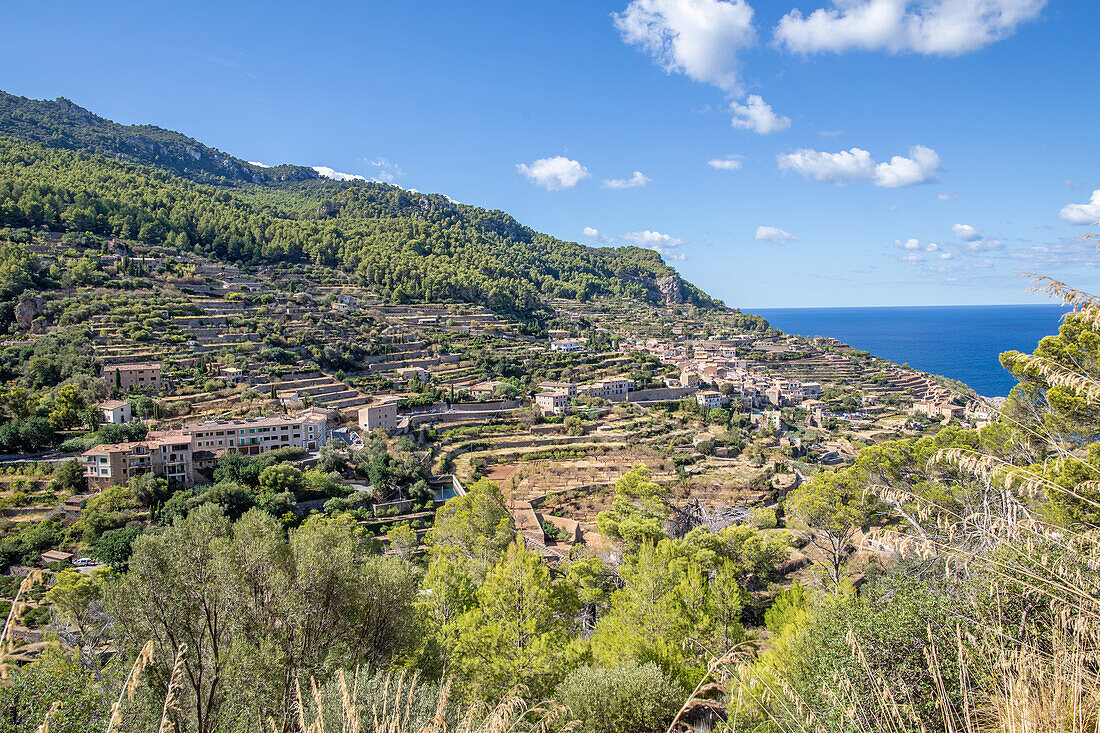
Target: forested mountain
<point>406,246</point>
<point>62,124</point>
<point>76,171</point>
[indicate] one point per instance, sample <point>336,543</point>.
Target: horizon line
<point>745,308</point>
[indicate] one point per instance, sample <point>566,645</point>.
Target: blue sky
<point>867,152</point>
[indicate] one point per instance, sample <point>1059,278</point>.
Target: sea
<point>959,341</point>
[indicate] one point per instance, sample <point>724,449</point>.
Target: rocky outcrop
<point>669,285</point>
<point>29,314</point>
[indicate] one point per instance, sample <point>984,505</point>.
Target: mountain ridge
<point>61,123</point>
<point>156,185</point>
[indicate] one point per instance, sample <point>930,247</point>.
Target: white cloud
<point>914,245</point>
<point>646,238</point>
<point>554,173</point>
<point>913,258</point>
<point>729,163</point>
<point>858,165</point>
<point>664,244</point>
<point>1083,213</point>
<point>258,165</point>
<point>635,181</point>
<point>944,196</point>
<point>839,168</point>
<point>326,172</point>
<point>385,170</point>
<point>919,167</point>
<point>941,27</point>
<point>593,234</point>
<point>966,233</point>
<point>757,115</point>
<point>697,38</point>
<point>1068,252</point>
<point>775,235</point>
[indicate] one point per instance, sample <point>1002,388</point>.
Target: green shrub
<point>629,698</point>
<point>764,518</point>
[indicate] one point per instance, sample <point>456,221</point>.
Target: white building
<point>709,399</point>
<point>411,373</point>
<point>116,412</point>
<point>568,345</point>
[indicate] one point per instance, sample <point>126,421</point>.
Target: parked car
<point>85,562</point>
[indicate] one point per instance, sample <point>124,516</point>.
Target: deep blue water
<point>959,341</point>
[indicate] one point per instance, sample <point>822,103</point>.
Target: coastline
<point>960,343</point>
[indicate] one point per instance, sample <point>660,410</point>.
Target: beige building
<point>609,387</point>
<point>689,379</point>
<point>552,403</point>
<point>166,454</point>
<point>231,374</point>
<point>567,388</point>
<point>172,454</point>
<point>134,376</point>
<point>116,412</point>
<point>308,429</point>
<point>380,415</point>
<point>484,390</point>
<point>944,409</point>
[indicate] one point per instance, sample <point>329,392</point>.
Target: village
<point>224,361</point>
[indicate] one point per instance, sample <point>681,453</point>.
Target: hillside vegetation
<point>62,124</point>
<point>405,246</point>
<point>976,610</point>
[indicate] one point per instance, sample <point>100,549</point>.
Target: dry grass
<point>403,703</point>
<point>130,688</point>
<point>1048,682</point>
<point>1057,375</point>
<point>1043,685</point>
<point>171,698</point>
<point>45,726</point>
